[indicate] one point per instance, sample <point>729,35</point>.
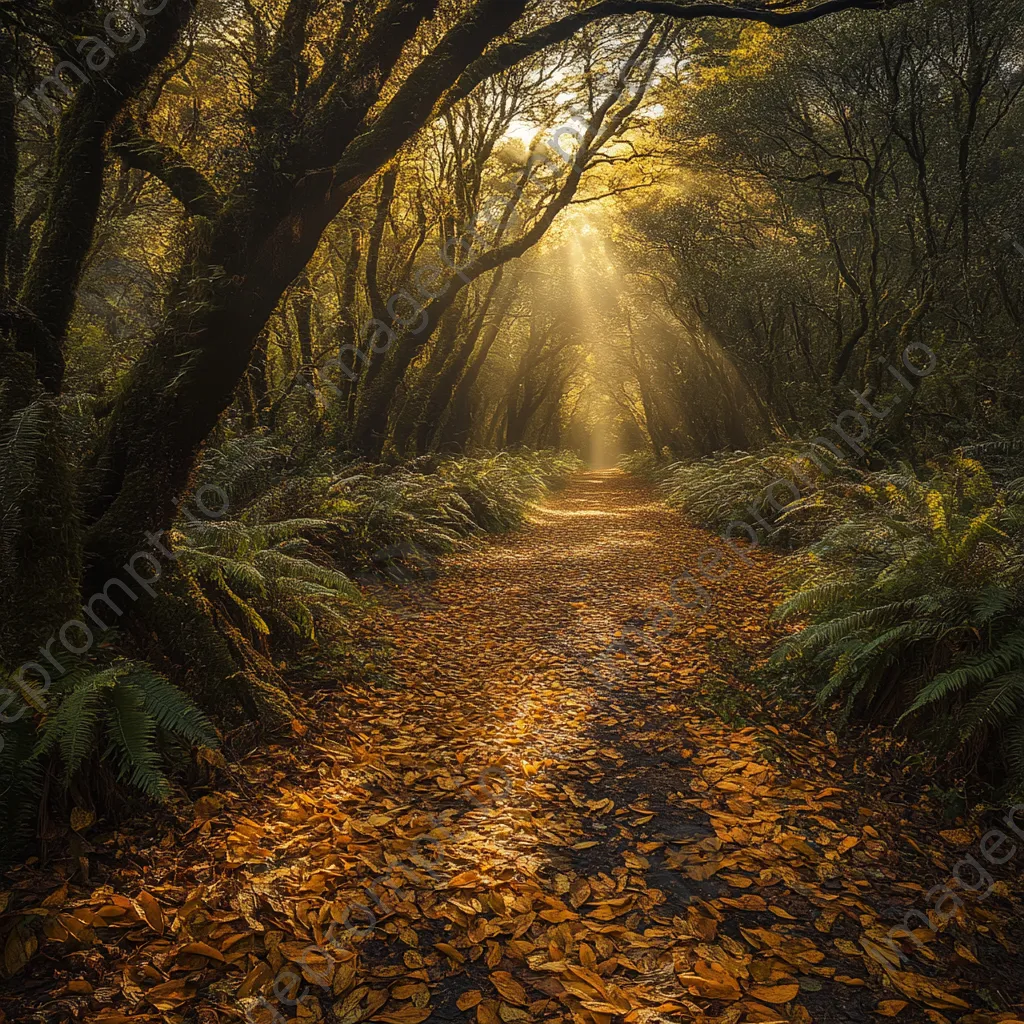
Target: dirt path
<point>544,816</point>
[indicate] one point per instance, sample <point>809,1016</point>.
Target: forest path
<point>546,814</point>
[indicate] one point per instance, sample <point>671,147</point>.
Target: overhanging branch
<point>507,55</point>
<point>185,183</point>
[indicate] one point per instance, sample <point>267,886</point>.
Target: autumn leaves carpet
<point>552,811</point>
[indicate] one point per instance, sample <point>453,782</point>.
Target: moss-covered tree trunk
<point>243,261</point>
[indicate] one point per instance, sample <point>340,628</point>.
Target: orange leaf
<point>152,910</point>
<point>203,949</point>
<point>748,901</point>
<point>486,1012</point>
<point>405,1015</point>
<point>170,994</point>
<point>711,981</point>
<point>508,988</point>
<point>449,950</point>
<point>775,993</point>
<point>891,1007</point>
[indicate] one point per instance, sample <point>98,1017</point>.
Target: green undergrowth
<point>903,593</point>
<point>259,588</point>
<point>755,488</point>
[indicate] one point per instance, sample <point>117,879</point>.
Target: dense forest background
<point>296,294</point>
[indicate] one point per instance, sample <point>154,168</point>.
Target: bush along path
<point>559,805</point>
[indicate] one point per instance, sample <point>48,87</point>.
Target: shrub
<point>120,722</point>
<point>428,508</point>
<point>266,574</point>
<point>645,465</point>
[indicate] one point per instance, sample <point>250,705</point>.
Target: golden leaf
<point>203,949</point>
<point>775,993</point>
<point>711,981</point>
<point>487,1012</point>
<point>891,1007</point>
<point>18,951</point>
<point>255,981</point>
<point>469,999</point>
<point>170,994</point>
<point>206,807</point>
<point>151,911</point>
<point>464,879</point>
<point>81,818</point>
<point>508,988</point>
<point>958,836</point>
<point>512,1014</point>
<point>344,976</point>
<point>405,1015</point>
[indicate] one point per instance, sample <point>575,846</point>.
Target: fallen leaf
<point>775,993</point>
<point>508,988</point>
<point>469,999</point>
<point>891,1007</point>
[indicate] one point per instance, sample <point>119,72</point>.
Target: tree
<point>325,96</point>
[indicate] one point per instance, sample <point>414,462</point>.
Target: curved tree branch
<point>185,183</point>
<point>507,55</point>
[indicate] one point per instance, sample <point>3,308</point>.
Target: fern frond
<point>72,727</point>
<point>171,709</point>
<point>131,730</point>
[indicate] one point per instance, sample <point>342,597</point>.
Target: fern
<point>135,709</point>
<point>132,734</point>
<point>21,788</point>
<point>765,487</point>
<point>20,440</point>
<point>909,606</point>
<point>172,710</point>
<point>73,726</point>
<point>279,568</point>
<point>265,575</point>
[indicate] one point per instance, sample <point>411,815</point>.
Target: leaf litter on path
<point>542,818</point>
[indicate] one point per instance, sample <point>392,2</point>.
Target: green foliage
<point>122,718</point>
<point>819,231</point>
<point>266,572</point>
<point>40,559</point>
<point>126,713</point>
<point>499,489</point>
<point>20,440</point>
<point>21,784</point>
<point>645,465</point>
<point>245,468</point>
<point>910,608</point>
<point>752,487</point>
<point>278,569</point>
<point>431,507</point>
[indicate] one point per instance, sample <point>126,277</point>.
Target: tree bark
<point>49,290</point>
<point>188,375</point>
